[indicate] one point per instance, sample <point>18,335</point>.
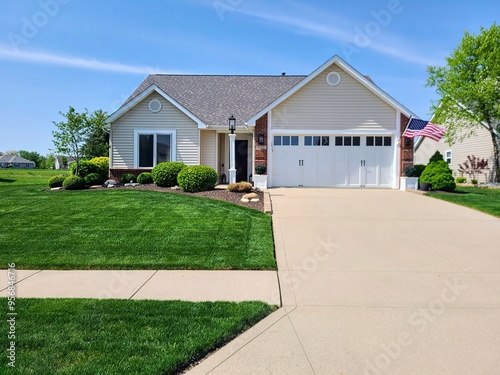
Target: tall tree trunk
<point>496,155</point>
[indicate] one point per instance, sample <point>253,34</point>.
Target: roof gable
<point>366,81</point>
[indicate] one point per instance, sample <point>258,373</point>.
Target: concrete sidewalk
<point>160,285</point>
<point>375,282</point>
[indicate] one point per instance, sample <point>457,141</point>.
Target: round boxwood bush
<point>127,177</point>
<point>145,178</point>
<point>439,174</point>
<point>197,178</point>
<point>74,183</point>
<point>93,179</point>
<point>102,165</point>
<point>56,181</point>
<point>165,174</point>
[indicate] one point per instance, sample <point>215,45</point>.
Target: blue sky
<point>93,54</point>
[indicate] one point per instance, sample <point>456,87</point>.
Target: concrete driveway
<point>376,282</point>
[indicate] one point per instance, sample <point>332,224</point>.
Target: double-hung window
<point>153,147</point>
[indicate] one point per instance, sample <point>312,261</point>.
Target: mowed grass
<point>125,229</point>
<point>482,199</point>
<point>83,336</point>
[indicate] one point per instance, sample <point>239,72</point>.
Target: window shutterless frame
<point>158,141</point>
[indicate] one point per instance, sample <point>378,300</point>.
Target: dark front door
<point>241,160</point>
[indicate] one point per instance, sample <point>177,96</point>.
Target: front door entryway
<point>241,160</point>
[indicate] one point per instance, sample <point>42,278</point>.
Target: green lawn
<point>482,199</point>
<point>82,336</point>
<point>125,229</point>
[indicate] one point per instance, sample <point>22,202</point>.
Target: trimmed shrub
<point>197,178</point>
<point>419,168</point>
<point>240,187</point>
<point>98,165</point>
<point>74,183</point>
<point>145,178</point>
<point>461,180</point>
<point>260,169</point>
<point>93,179</point>
<point>410,171</point>
<point>102,165</point>
<point>439,174</point>
<point>127,177</point>
<point>436,157</point>
<point>165,174</point>
<point>473,181</point>
<point>56,181</point>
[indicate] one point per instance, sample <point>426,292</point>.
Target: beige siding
<point>208,148</point>
<point>140,117</point>
<point>479,145</point>
<point>319,106</point>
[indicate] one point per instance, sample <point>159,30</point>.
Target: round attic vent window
<point>155,105</point>
<point>333,78</point>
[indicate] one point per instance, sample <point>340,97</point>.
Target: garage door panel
<point>341,161</point>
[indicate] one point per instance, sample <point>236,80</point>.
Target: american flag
<point>423,128</point>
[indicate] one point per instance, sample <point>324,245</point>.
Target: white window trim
<point>446,156</point>
<point>173,144</point>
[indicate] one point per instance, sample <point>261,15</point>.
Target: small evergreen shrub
<point>473,181</point>
<point>240,187</point>
<point>419,168</point>
<point>74,183</point>
<point>145,178</point>
<point>56,181</point>
<point>436,157</point>
<point>165,174</point>
<point>410,171</point>
<point>461,180</point>
<point>102,165</point>
<point>93,179</point>
<point>98,165</point>
<point>439,174</point>
<point>127,177</point>
<point>260,169</point>
<point>197,178</point>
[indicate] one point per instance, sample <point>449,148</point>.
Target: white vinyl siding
<point>208,148</point>
<point>347,106</point>
<point>141,118</point>
<point>479,145</point>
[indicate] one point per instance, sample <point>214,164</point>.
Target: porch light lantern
<point>232,137</point>
<point>260,139</point>
<point>232,124</point>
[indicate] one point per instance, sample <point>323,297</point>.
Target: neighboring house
<point>334,127</point>
<point>480,145</point>
<point>58,164</point>
<point>14,161</point>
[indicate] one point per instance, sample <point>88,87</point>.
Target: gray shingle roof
<point>14,159</point>
<point>213,98</point>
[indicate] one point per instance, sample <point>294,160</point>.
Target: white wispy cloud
<point>7,53</point>
<point>309,23</point>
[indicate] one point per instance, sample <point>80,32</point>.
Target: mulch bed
<point>219,193</point>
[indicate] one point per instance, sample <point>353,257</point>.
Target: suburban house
<point>59,162</point>
<point>478,145</point>
<point>15,161</point>
<point>332,128</point>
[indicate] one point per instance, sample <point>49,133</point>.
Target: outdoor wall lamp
<point>261,139</point>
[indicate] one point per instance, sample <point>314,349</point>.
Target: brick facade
<point>406,147</point>
<point>115,174</point>
<point>261,150</point>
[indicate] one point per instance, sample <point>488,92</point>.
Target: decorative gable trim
<point>347,68</point>
<point>153,88</point>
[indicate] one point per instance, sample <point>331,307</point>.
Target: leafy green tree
<point>33,156</point>
<point>97,143</point>
<point>49,162</point>
<point>469,86</point>
<point>72,134</point>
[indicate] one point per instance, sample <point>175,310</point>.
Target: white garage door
<point>339,161</point>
